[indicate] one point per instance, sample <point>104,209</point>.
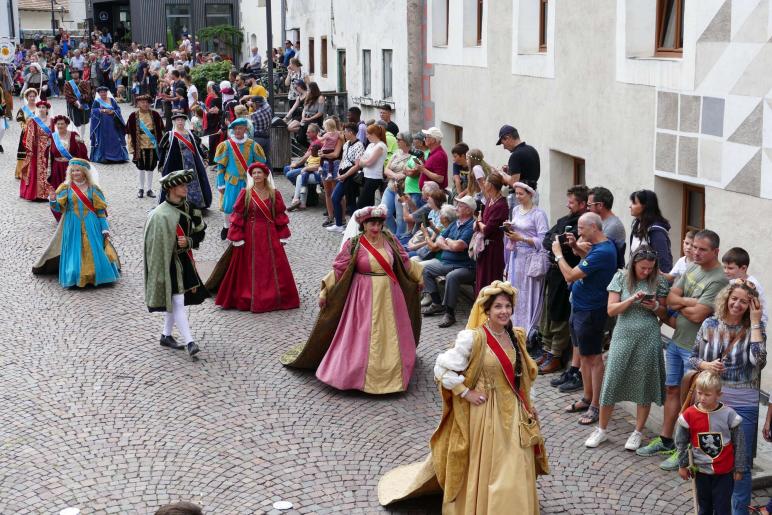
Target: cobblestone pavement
<point>95,414</point>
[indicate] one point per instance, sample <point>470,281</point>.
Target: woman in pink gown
<point>371,297</point>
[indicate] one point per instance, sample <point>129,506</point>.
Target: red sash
<point>238,154</point>
<point>180,232</point>
<point>184,140</point>
<point>262,206</point>
<point>379,258</point>
<point>83,198</point>
<point>507,367</point>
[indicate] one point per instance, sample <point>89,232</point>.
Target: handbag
<point>538,264</point>
<point>689,381</point>
<point>476,245</point>
<point>359,178</point>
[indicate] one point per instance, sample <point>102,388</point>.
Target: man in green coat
<point>172,282</point>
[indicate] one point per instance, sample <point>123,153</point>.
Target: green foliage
<point>226,36</point>
<point>203,73</point>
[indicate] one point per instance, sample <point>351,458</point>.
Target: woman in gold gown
<point>488,449</point>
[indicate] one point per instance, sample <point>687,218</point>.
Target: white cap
<point>433,132</point>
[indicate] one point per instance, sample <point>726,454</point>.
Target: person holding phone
<point>637,298</point>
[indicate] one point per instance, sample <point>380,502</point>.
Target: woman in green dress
<point>635,369</point>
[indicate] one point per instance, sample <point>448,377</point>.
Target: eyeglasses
<point>593,203</point>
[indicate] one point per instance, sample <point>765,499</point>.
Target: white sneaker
<point>336,228</point>
<point>596,438</point>
<point>634,441</point>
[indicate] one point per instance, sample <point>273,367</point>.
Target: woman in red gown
<point>254,274</point>
<point>37,139</point>
<point>72,146</point>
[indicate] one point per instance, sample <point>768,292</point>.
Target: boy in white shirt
<point>736,261</point>
<point>683,263</point>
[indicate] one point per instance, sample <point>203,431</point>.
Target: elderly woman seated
<point>418,248</point>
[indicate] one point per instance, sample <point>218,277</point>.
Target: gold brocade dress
<point>501,476</point>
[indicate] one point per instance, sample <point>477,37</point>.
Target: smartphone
<point>562,237</point>
<point>648,296</point>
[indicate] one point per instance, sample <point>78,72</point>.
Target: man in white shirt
<point>77,61</point>
<point>254,63</point>
<point>736,261</point>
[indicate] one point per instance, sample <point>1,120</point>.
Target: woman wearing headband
<point>80,251</point>
<point>254,273</point>
<point>22,116</point>
<point>488,448</point>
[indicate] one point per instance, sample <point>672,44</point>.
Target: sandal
<point>576,406</point>
<point>590,417</point>
<point>295,204</point>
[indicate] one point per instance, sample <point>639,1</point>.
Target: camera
<point>418,154</point>
<point>562,237</point>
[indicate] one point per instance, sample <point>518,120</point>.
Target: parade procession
<point>412,257</point>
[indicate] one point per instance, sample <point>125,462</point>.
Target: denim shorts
<point>676,363</point>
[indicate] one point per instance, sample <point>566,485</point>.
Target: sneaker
<point>634,441</point>
<point>671,463</point>
<point>572,384</point>
<point>328,222</point>
<point>426,300</point>
<point>654,448</point>
<point>562,378</point>
<point>433,309</point>
<point>335,228</point>
<point>596,438</point>
<point>150,194</point>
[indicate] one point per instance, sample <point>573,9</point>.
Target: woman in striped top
<point>732,343</point>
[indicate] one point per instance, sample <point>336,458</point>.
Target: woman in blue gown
<point>80,251</point>
<point>108,130</point>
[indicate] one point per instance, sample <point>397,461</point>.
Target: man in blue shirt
<point>589,300</point>
<point>454,263</point>
<point>289,53</point>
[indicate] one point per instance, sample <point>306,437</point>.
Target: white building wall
<point>9,24</point>
<point>253,24</point>
<point>39,21</point>
<point>599,94</point>
<point>372,25</point>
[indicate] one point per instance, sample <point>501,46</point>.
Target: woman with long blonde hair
<point>479,171</point>
<point>254,273</point>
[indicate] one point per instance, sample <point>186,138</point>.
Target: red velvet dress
<point>59,163</point>
<point>34,185</point>
<point>259,277</point>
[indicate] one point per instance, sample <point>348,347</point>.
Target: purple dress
<point>530,290</point>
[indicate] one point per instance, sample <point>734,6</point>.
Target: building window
<point>366,85</point>
<point>543,5</point>
<point>579,176</point>
<point>670,27</point>
<point>479,22</point>
<point>440,14</point>
<point>693,210</point>
<point>323,50</point>
<point>387,58</point>
<point>219,14</point>
<point>311,56</point>
<point>177,23</point>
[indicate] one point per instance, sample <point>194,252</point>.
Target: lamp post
<point>53,19</point>
<point>269,34</point>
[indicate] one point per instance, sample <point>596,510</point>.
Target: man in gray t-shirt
<point>600,201</point>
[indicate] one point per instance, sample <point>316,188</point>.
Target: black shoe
<point>447,321</point>
<point>562,378</point>
<point>572,384</point>
<point>2,150</point>
<point>140,194</point>
<point>224,233</point>
<point>328,222</point>
<point>192,349</point>
<point>150,194</point>
<point>169,341</point>
<point>433,309</point>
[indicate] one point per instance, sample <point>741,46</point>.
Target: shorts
<point>587,328</point>
<point>676,363</point>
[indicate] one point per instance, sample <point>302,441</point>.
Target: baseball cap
<point>505,131</point>
<point>469,201</point>
<point>433,132</point>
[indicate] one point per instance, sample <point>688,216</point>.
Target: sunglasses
<point>745,282</point>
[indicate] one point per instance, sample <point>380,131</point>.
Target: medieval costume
<point>63,148</point>
<point>484,457</point>
<point>232,158</point>
<point>145,130</point>
<point>78,95</point>
<point>255,273</point>
<point>366,335</point>
<point>6,113</point>
<point>25,112</point>
<point>108,130</point>
<point>180,149</point>
<point>80,251</point>
<point>37,140</point>
<point>171,279</point>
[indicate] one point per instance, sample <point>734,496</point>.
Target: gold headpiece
<point>477,316</point>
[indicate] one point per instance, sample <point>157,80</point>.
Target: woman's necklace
<point>524,211</point>
<point>373,241</point>
<point>494,333</point>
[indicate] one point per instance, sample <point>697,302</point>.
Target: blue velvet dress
<point>108,134</point>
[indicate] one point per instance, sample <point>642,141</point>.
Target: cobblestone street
<point>95,414</point>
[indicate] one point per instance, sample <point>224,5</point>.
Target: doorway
<point>342,71</point>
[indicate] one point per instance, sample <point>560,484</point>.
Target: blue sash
<point>60,146</point>
<point>104,104</point>
<point>75,88</point>
<point>148,133</point>
<point>37,119</point>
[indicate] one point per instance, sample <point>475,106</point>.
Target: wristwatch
<point>558,258</point>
